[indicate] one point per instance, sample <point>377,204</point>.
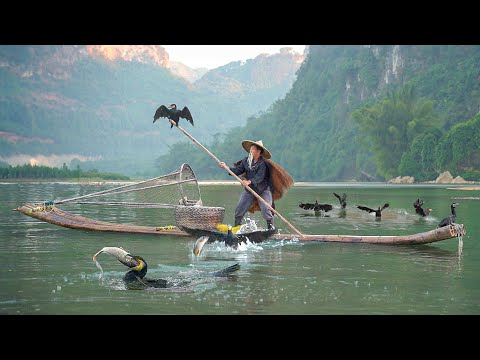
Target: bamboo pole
<point>259,198</point>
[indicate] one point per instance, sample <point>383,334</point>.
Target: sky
<point>213,56</point>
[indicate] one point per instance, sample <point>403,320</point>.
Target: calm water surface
<point>48,269</point>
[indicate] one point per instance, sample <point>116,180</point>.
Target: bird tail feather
<point>227,271</point>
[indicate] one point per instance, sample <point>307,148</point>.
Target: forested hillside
<point>366,113</point>
<point>96,108</point>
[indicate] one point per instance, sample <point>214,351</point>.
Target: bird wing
<point>156,283</point>
<point>365,208</point>
<point>200,233</point>
<point>337,196</point>
<point>385,206</point>
<point>213,235</point>
<point>185,113</point>
<point>444,222</point>
<point>324,207</point>
<point>226,272</point>
<point>307,206</point>
<point>162,111</point>
<point>256,236</point>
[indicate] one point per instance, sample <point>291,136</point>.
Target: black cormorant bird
<point>450,220</point>
<point>342,200</point>
<point>419,210</point>
<point>229,238</point>
<point>316,207</point>
<point>378,212</point>
<point>135,277</point>
<point>172,113</point>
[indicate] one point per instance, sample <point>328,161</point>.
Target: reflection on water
<point>49,269</point>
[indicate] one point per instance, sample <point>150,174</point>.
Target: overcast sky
<point>213,56</point>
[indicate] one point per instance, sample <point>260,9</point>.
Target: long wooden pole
<point>240,180</point>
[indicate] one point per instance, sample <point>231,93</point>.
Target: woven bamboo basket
<point>198,217</point>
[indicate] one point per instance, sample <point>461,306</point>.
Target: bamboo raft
<point>56,216</point>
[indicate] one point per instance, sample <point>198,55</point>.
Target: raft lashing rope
<point>46,206</point>
<point>178,188</point>
<point>457,230</point>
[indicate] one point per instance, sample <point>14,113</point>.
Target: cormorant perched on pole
<point>419,210</point>
<point>342,200</point>
<point>378,212</point>
<point>135,277</point>
<point>450,220</point>
<point>172,113</point>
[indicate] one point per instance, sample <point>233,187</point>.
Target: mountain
<point>94,104</point>
<point>415,107</point>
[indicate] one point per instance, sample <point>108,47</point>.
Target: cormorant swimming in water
<point>135,277</point>
<point>450,220</point>
<point>342,200</point>
<point>229,238</point>
<point>172,113</point>
<point>316,206</point>
<point>378,212</point>
<point>419,210</point>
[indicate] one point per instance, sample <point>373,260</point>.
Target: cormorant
<point>229,238</point>
<point>450,220</point>
<point>342,200</point>
<point>172,113</point>
<point>378,212</point>
<point>419,210</point>
<point>135,277</point>
<point>316,206</point>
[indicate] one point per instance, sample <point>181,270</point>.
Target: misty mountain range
<point>94,104</point>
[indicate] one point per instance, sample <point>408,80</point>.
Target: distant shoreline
<point>220,182</point>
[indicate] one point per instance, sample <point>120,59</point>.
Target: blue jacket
<point>259,174</point>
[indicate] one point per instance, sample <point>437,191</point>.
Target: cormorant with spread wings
<point>378,212</point>
<point>228,238</point>
<point>172,113</point>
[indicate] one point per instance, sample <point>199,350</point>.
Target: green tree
<point>459,150</point>
<point>389,127</point>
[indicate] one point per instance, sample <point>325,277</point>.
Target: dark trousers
<point>246,200</point>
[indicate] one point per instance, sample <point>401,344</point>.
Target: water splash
<point>249,226</point>
<point>97,264</point>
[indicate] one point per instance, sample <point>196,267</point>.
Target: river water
<point>48,269</point>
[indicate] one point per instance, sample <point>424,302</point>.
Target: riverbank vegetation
<point>42,172</point>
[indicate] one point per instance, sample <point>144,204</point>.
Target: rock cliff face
<point>140,53</point>
<point>56,62</point>
<point>48,62</point>
<point>181,70</point>
<point>264,71</point>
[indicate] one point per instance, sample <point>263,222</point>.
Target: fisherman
<point>259,176</point>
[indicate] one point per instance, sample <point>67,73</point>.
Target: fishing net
<point>178,188</point>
